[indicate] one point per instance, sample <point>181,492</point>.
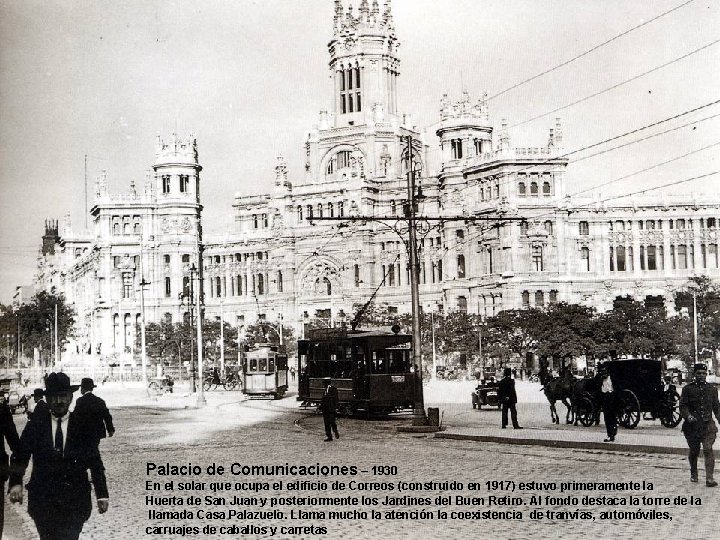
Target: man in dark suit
<point>698,403</point>
<point>40,405</point>
<point>63,449</point>
<point>508,399</point>
<point>328,406</point>
<point>7,432</point>
<point>93,410</point>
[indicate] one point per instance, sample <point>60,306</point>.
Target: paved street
<point>231,431</point>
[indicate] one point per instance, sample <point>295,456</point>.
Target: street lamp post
<point>201,393</point>
<point>222,340</point>
<point>143,350</point>
<point>695,323</point>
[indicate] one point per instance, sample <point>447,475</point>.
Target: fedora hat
<point>59,383</point>
<point>38,393</point>
<point>87,384</point>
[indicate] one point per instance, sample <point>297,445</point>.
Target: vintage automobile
<point>486,393</point>
<point>17,402</point>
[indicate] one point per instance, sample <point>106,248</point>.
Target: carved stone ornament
<point>312,281</point>
<point>165,225</point>
<point>186,225</point>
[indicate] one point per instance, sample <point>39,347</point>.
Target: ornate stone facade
<point>279,262</point>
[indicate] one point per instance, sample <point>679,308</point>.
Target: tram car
<point>371,369</point>
<point>265,372</point>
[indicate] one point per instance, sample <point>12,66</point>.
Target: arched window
<point>260,284</point>
<point>299,213</point>
<point>319,210</point>
<point>546,189</point>
<point>533,189</point>
<point>522,190</point>
<point>328,286</point>
<point>331,210</point>
<point>461,266</point>
<point>525,299</point>
<point>218,287</point>
<point>585,259</point>
<point>309,212</point>
<point>549,227</point>
<point>539,299</point>
<point>620,257</point>
<point>553,297</point>
<point>462,304</point>
<point>279,281</point>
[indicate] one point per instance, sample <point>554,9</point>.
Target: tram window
<point>398,361</point>
<point>253,364</point>
<point>263,364</point>
<point>378,362</point>
<point>271,365</point>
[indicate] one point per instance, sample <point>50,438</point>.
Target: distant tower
<point>50,238</point>
<point>177,171</point>
<point>364,62</point>
<point>464,130</point>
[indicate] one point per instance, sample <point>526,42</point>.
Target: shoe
<point>329,439</point>
<point>517,427</point>
<point>710,483</point>
<point>609,439</point>
<point>337,435</point>
<point>693,478</point>
<point>503,427</point>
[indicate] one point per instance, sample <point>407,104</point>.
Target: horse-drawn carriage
<point>639,389</point>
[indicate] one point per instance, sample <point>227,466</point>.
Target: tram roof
<point>339,333</point>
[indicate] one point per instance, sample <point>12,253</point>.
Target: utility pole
<point>56,336</point>
<point>222,341</point>
<point>143,351</point>
<point>201,395</point>
<point>420,419</point>
<point>695,323</point>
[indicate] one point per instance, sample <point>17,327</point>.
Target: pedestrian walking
<point>62,449</point>
<point>608,404</point>
<point>93,410</point>
<point>328,406</point>
<point>508,399</point>
<point>698,403</point>
<point>8,432</point>
<point>40,405</point>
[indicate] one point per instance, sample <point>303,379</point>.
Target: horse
<point>558,390</point>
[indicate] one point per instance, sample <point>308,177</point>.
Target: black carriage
<point>486,393</point>
<point>265,372</point>
<point>371,369</point>
<point>639,390</point>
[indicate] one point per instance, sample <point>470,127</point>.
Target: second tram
<point>265,372</point>
<point>372,370</point>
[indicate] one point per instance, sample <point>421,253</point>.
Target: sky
<point>102,79</point>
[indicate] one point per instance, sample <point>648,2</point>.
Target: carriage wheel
<point>628,409</point>
<point>154,388</point>
<point>208,385</point>
<point>230,385</point>
<point>585,411</point>
<point>670,409</point>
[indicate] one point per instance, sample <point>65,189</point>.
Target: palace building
<point>280,262</point>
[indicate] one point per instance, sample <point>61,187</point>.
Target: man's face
<point>700,375</point>
<point>60,403</point>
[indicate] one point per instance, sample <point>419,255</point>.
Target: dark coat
<point>59,488</point>
<point>700,401</point>
<point>506,391</point>
<point>8,432</point>
<point>94,411</point>
<point>329,402</point>
<point>40,407</point>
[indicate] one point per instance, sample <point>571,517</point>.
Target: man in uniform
<point>328,406</point>
<point>698,403</point>
<point>508,399</point>
<point>63,449</point>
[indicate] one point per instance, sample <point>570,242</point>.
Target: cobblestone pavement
<point>259,432</point>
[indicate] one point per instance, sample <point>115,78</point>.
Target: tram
<point>371,369</point>
<point>265,372</point>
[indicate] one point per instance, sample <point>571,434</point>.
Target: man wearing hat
<point>328,406</point>
<point>62,449</point>
<point>608,403</point>
<point>40,405</point>
<point>698,403</point>
<point>508,399</point>
<point>8,433</point>
<point>93,410</point>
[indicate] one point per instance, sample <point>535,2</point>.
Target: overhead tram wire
<point>593,49</point>
<point>615,137</point>
<point>594,202</point>
<point>618,85</point>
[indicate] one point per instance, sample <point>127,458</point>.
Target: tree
<point>514,331</point>
<point>36,320</point>
<point>565,331</point>
<point>706,293</point>
<point>266,332</point>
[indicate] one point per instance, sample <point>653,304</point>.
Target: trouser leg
<point>708,442</point>
<point>513,415</point>
<point>328,428</point>
<point>504,415</point>
<point>694,446</point>
<point>333,425</point>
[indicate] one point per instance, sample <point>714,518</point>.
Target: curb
<point>556,443</point>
